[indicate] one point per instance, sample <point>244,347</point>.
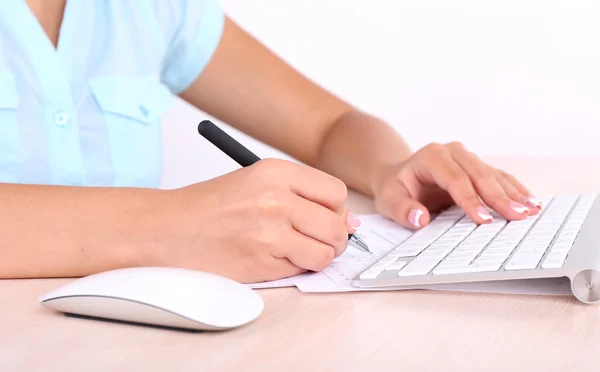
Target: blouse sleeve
<point>197,32</point>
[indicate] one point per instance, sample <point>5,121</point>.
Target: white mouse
<point>160,296</point>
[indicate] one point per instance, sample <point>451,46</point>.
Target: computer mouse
<point>159,296</point>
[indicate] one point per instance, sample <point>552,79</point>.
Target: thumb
<point>400,207</point>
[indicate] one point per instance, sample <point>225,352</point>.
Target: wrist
<point>361,150</point>
<point>380,175</point>
<point>147,228</point>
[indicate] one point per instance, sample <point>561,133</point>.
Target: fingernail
<point>534,202</point>
<point>519,208</point>
<point>484,214</point>
<point>353,221</point>
<point>414,216</point>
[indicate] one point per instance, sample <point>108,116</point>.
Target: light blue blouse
<point>87,113</point>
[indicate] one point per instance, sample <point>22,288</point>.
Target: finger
<point>530,200</point>
<point>487,186</point>
<point>317,186</point>
<point>319,223</point>
<point>515,194</point>
<point>400,207</point>
<point>307,253</point>
<point>446,173</point>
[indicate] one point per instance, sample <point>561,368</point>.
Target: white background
<point>503,77</point>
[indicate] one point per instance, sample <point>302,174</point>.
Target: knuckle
<point>262,166</point>
<point>269,169</point>
<point>272,203</point>
<point>270,163</point>
<point>434,147</point>
<point>483,175</point>
<point>456,146</point>
<point>326,258</point>
<point>507,175</point>
<point>471,200</point>
<point>341,191</point>
<point>405,173</point>
<point>265,239</point>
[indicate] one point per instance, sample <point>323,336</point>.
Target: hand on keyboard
<point>438,176</point>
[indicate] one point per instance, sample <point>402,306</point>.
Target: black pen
<point>245,158</point>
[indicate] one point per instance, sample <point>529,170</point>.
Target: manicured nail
<point>534,202</point>
<point>353,221</point>
<point>484,214</point>
<point>414,217</point>
<point>519,208</point>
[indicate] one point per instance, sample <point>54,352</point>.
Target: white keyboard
<point>452,243</point>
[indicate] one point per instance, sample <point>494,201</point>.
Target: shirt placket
<point>56,98</point>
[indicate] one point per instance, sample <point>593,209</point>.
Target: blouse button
<point>61,118</point>
<point>144,110</point>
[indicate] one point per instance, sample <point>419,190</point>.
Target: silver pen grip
<point>358,243</point>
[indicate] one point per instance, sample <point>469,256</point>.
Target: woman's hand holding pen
<point>271,220</point>
<point>437,176</point>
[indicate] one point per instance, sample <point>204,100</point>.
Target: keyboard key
<point>473,268</point>
<point>566,237</point>
<point>370,273</point>
<point>414,271</point>
<point>421,239</point>
<point>377,268</point>
<point>529,253</point>
<point>456,262</point>
<point>522,264</point>
<point>553,263</point>
<point>427,260</point>
<point>477,241</point>
<point>396,265</point>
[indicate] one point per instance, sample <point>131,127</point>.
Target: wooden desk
<point>385,331</point>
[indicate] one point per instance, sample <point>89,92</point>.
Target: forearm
<point>358,148</point>
<point>269,100</point>
<point>54,231</point>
